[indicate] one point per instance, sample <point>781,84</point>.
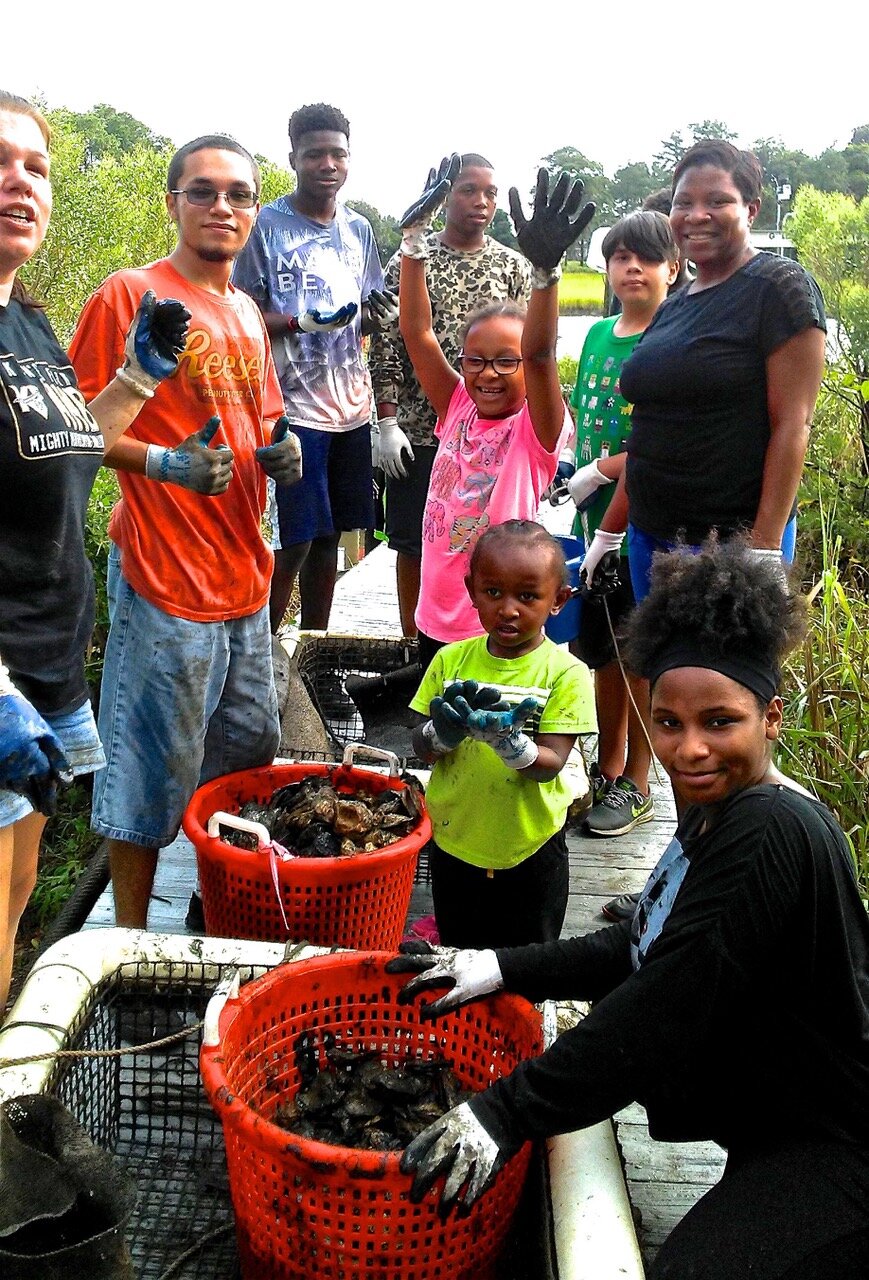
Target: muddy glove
<point>417,220</point>
<point>449,713</point>
<point>393,443</point>
<point>382,307</point>
<point>502,731</point>
<point>584,484</point>
<point>282,459</point>
<point>191,464</point>
<point>154,342</point>
<point>460,1147</point>
<point>32,763</point>
<point>469,974</point>
<point>600,568</point>
<point>552,228</point>
<point>322,321</point>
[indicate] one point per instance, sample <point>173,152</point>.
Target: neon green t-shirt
<point>481,811</point>
<point>603,416</point>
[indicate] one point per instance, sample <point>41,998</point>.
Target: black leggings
<point>510,908</point>
<point>796,1211</point>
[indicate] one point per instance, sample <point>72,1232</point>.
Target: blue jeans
<point>642,547</point>
<point>182,702</point>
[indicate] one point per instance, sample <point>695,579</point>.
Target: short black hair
<point>504,307</point>
<point>743,166</point>
<point>530,534</point>
<point>724,600</point>
<point>209,142</point>
<point>660,201</point>
<point>644,233</point>
<point>473,160</point>
<point>317,117</point>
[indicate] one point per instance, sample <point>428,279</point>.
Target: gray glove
<point>417,219</point>
<point>468,973</point>
<point>191,464</point>
<point>502,731</point>
<point>459,1146</point>
<point>382,307</point>
<point>282,459</point>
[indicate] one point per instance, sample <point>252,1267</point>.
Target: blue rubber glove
<point>154,343</point>
<point>502,731</point>
<point>32,762</point>
<point>192,464</point>
<point>323,321</point>
<point>282,459</point>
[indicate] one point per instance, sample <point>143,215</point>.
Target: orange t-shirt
<point>196,557</point>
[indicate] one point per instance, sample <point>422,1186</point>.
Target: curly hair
<point>317,117</point>
<point>529,534</point>
<point>724,600</point>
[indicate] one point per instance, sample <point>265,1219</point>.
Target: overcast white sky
<point>513,81</point>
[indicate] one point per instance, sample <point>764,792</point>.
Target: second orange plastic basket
<point>308,1211</point>
<point>358,901</point>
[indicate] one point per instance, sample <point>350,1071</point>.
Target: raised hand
<point>552,228</point>
<point>417,219</point>
<point>468,974</point>
<point>282,459</point>
<point>323,321</point>
<point>154,342</point>
<point>32,762</point>
<point>192,464</point>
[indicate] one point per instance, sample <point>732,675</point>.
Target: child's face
<point>496,395</point>
<point>638,280</point>
<point>515,588</point>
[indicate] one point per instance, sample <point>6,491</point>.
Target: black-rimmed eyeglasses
<point>203,194</point>
<point>476,364</point>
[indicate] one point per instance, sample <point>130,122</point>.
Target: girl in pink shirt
<point>502,422</point>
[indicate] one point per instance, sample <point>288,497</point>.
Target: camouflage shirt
<point>458,283</point>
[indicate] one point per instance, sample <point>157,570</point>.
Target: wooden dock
<point>664,1179</point>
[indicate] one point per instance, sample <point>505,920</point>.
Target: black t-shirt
<point>697,383</point>
<point>50,451</point>
<point>747,1021</point>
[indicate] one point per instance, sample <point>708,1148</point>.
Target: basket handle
<point>226,989</point>
<point>221,819</point>
<point>384,757</point>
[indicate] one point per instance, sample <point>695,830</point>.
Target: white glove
<point>393,443</point>
<point>469,974</point>
<point>601,543</point>
<point>458,1145</point>
<point>191,464</point>
<point>584,484</point>
<point>502,731</point>
<point>322,321</point>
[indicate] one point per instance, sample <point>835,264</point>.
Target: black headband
<point>760,675</point>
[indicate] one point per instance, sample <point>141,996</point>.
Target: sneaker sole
<point>622,831</point>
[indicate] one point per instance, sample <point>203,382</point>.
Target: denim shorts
<point>336,491</point>
<point>182,702</point>
<point>642,547</point>
<point>77,731</point>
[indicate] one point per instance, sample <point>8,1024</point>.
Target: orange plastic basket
<point>308,1211</point>
<point>358,901</point>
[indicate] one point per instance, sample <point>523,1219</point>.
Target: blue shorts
<point>336,491</point>
<point>642,547</point>
<point>182,702</point>
<point>78,735</point>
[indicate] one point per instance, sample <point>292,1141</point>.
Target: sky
<point>418,81</point>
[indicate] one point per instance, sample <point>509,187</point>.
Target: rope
<point>174,1267</point>
<point>103,1053</point>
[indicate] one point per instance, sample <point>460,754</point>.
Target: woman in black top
<point>724,381</point>
<point>735,1004</point>
<point>51,446</point>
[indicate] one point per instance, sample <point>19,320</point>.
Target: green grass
<point>580,293</point>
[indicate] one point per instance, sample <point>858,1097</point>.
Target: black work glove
<point>552,228</point>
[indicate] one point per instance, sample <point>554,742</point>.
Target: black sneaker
<point>194,921</point>
<point>621,908</point>
<point>621,809</point>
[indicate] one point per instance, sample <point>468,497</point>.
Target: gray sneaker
<point>621,809</point>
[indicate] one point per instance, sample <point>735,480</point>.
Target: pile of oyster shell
<point>313,819</point>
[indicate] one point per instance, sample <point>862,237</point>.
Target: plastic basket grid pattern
<point>358,901</point>
<point>305,1211</point>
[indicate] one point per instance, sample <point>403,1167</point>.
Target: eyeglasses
<point>205,195</point>
<point>476,364</point>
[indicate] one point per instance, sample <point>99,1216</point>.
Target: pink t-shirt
<point>487,470</point>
